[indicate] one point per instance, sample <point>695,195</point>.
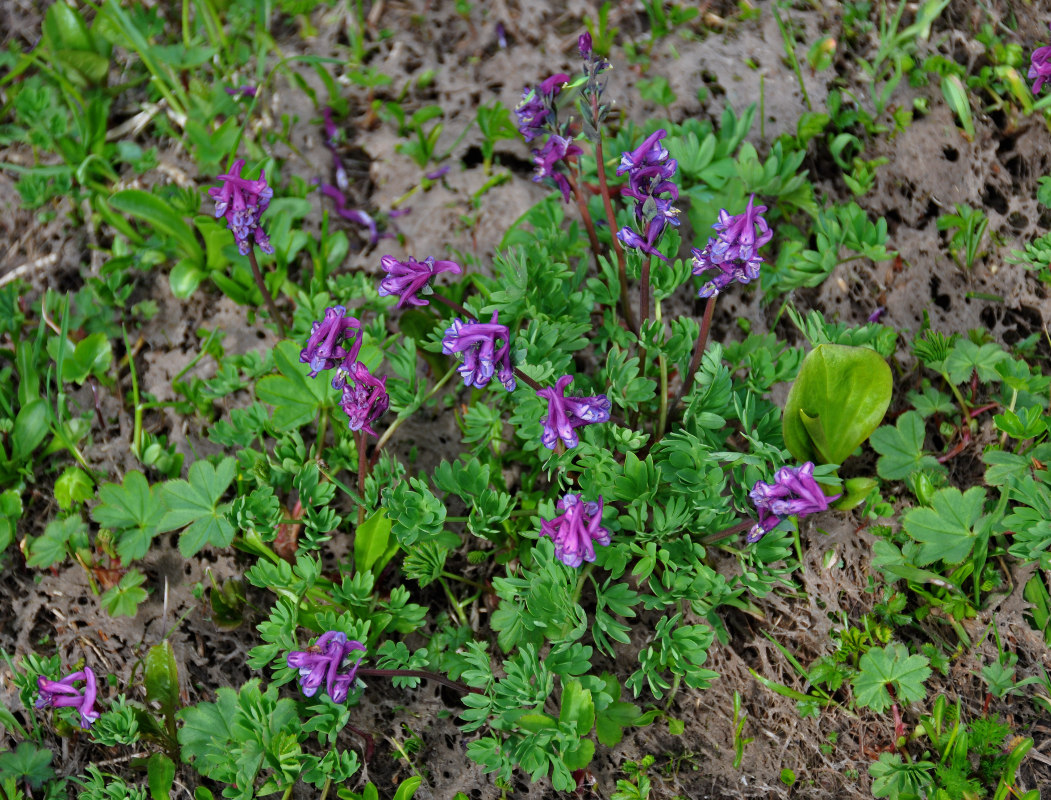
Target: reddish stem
<point>585,215</point>
<point>452,304</point>
<point>698,350</point>
<point>418,673</point>
<point>275,316</point>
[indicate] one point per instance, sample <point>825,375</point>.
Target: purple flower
<point>325,347</point>
<point>734,251</point>
<point>501,35</point>
<point>1040,67</point>
<point>365,400</point>
<point>564,414</point>
<point>244,90</point>
<point>475,343</point>
<point>555,151</point>
<point>877,314</point>
<point>651,152</point>
<point>636,242</point>
<point>794,491</point>
<point>353,214</point>
<point>327,661</point>
<point>61,694</point>
<point>649,173</point>
<point>243,202</point>
<point>407,278</point>
<point>576,531</point>
<point>537,105</point>
<point>441,172</point>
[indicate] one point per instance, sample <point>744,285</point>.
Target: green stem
<point>644,292</point>
<point>324,789</point>
<point>405,415</point>
<point>275,315</point>
<point>611,218</point>
<point>363,466</point>
<point>662,418</point>
<point>584,573</point>
<point>416,673</point>
<point>453,601</point>
<point>322,429</point>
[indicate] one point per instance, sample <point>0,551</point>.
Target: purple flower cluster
<point>577,530</point>
<point>1040,67</point>
<point>565,414</point>
<point>243,202</point>
<point>365,400</point>
<point>407,279</point>
<point>337,192</point>
<point>475,343</point>
<point>550,162</point>
<point>327,661</point>
<point>794,491</point>
<point>325,348</point>
<point>649,172</point>
<point>734,252</point>
<point>536,113</point>
<point>62,694</point>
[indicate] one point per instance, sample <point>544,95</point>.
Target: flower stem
<point>275,315</point>
<point>453,601</point>
<point>622,268</point>
<point>585,215</point>
<point>527,380</point>
<point>363,468</point>
<point>726,533</point>
<point>662,418</point>
<point>698,350</point>
<point>644,293</point>
<point>452,304</point>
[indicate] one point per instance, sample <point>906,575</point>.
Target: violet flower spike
<point>62,694</point>
<point>327,661</point>
<point>556,150</point>
<point>793,492</point>
<point>243,202</point>
<point>577,530</point>
<point>475,343</point>
<point>1040,67</point>
<point>538,105</point>
<point>565,414</point>
<point>407,279</point>
<point>734,252</point>
<point>324,348</point>
<point>365,400</point>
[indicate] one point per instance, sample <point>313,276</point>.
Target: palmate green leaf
<point>123,599</point>
<point>296,397</point>
<point>887,666</point>
<point>946,531</point>
<point>836,402</point>
<point>901,448</point>
<point>194,505</point>
<point>133,510</point>
<point>966,357</point>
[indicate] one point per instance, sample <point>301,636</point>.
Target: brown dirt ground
<point>931,167</point>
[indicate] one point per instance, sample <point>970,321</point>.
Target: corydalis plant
<point>242,202</point>
<point>365,400</point>
<point>62,694</point>
<point>1040,67</point>
<point>649,172</point>
<point>476,344</point>
<point>576,530</point>
<point>734,253</point>
<point>793,492</point>
<point>566,414</point>
<point>328,661</point>
<point>406,280</point>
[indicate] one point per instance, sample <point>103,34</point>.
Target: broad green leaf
<point>836,402</point>
<point>194,505</point>
<point>372,542</point>
<point>160,774</point>
<point>295,396</point>
<point>123,599</point>
<point>901,448</point>
<point>52,547</point>
<point>131,509</point>
<point>577,707</point>
<point>887,666</point>
<point>946,531</point>
<point>966,357</point>
<point>408,788</point>
<point>162,676</point>
<point>158,213</point>
<point>10,513</point>
<point>73,486</point>
<point>29,430</point>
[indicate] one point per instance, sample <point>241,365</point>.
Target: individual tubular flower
<point>366,399</point>
<point>536,112</point>
<point>62,694</point>
<point>576,531</point>
<point>565,414</point>
<point>475,343</point>
<point>327,661</point>
<point>325,348</point>
<point>556,150</point>
<point>243,202</point>
<point>407,279</point>
<point>734,252</point>
<point>1040,67</point>
<point>794,491</point>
